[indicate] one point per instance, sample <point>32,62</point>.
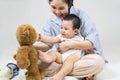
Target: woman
<point>90,64</point>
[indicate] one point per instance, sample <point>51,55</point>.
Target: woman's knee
<point>88,65</point>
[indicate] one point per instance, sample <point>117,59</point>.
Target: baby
<point>69,32</point>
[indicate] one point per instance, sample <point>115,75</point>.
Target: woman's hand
<point>64,46</point>
<point>79,45</point>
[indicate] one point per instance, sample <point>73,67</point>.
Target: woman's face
<point>59,8</point>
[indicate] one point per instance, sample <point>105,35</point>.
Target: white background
<point>104,13</point>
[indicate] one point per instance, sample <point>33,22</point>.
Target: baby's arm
<point>48,39</point>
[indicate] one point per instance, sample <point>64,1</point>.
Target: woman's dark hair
<point>69,2</point>
<point>75,20</point>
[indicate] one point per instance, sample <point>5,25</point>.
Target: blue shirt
<point>87,29</point>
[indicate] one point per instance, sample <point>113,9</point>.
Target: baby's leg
<point>52,56</point>
<point>66,68</point>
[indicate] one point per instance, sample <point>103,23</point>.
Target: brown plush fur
<point>26,56</point>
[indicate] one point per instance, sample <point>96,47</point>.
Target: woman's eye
<point>61,8</point>
<point>53,7</point>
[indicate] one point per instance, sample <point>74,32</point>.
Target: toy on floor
<point>26,56</point>
<point>9,72</point>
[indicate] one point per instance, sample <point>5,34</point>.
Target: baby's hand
<point>38,37</point>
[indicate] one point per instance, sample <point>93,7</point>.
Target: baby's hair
<point>76,20</point>
<point>69,2</point>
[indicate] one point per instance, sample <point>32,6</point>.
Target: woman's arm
<point>81,45</point>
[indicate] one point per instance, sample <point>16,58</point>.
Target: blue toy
<point>9,72</point>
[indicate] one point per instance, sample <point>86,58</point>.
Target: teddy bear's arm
<point>14,56</point>
<point>22,57</point>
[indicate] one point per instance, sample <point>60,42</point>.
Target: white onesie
<point>72,51</point>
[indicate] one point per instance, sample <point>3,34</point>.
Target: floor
<point>110,72</point>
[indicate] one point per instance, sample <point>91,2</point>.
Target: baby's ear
<point>76,31</point>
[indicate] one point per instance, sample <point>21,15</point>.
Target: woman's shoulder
<point>52,17</point>
<point>79,12</point>
<point>54,20</point>
<point>50,20</point>
<point>76,11</point>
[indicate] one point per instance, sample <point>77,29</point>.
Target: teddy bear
<point>26,56</point>
<point>9,72</point>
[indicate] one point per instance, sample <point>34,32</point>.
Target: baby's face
<point>67,30</point>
